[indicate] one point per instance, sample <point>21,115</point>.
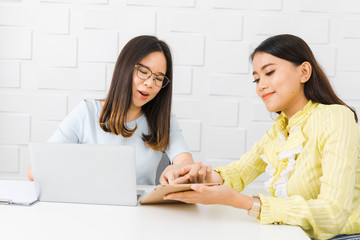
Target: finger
<point>174,196</point>
<point>199,188</point>
<point>195,187</point>
<point>194,172</point>
<point>184,170</point>
<point>209,171</point>
<point>163,180</point>
<point>170,177</point>
<point>180,180</point>
<point>202,174</point>
<point>187,197</point>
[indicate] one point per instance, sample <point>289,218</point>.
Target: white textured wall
<point>53,53</point>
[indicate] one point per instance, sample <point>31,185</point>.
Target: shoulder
<point>173,120</point>
<point>174,124</point>
<point>85,108</point>
<point>334,120</point>
<point>173,117</point>
<point>91,105</point>
<point>334,112</point>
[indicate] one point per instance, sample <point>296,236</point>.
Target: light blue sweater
<point>82,126</point>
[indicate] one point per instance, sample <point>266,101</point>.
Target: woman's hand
<point>190,173</point>
<point>171,174</point>
<point>198,173</point>
<point>185,170</point>
<point>213,195</point>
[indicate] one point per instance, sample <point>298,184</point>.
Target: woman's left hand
<point>213,195</point>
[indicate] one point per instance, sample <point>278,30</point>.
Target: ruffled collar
<point>283,123</point>
<point>290,144</point>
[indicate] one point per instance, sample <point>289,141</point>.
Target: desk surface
<point>83,221</point>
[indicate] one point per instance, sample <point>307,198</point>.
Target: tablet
<point>157,195</point>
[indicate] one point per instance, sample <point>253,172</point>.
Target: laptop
<point>84,173</point>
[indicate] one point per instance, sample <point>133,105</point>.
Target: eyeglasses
<point>145,73</point>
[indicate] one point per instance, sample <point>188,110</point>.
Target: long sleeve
<point>326,215</point>
<point>240,173</point>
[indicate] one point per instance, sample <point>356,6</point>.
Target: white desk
<point>64,221</point>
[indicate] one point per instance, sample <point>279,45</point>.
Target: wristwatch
<point>255,208</point>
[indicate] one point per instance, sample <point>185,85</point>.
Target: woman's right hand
<point>197,173</point>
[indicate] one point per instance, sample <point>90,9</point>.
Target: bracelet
<point>255,208</point>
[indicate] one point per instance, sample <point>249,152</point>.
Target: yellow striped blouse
<point>314,167</point>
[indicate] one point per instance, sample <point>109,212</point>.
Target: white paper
<point>18,192</point>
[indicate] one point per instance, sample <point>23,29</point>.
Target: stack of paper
<point>17,192</point>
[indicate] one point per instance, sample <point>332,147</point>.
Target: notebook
<point>17,192</point>
<point>84,173</point>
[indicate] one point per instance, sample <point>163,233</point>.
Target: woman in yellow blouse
<point>311,152</point>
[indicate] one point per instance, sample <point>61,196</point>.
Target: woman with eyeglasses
<point>136,112</point>
<point>311,153</point>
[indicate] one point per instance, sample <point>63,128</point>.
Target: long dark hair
<point>295,50</point>
<point>118,101</point>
